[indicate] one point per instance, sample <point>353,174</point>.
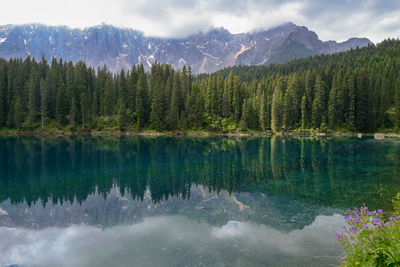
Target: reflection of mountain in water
<point>116,209</point>
<point>158,176</point>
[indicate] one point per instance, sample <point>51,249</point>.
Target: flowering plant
<point>370,239</point>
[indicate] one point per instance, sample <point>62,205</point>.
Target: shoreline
<point>195,133</point>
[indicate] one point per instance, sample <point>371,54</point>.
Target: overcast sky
<point>330,19</point>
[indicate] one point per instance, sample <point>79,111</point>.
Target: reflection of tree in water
<point>324,171</point>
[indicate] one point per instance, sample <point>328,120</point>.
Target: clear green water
<point>186,202</point>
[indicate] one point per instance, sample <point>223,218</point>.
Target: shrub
<point>370,239</point>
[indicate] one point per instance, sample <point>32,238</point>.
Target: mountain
<point>205,52</point>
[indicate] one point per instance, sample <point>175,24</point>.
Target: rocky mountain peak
<point>205,52</point>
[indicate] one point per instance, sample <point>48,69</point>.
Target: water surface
<point>162,201</point>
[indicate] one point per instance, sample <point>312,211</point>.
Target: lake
<point>161,201</point>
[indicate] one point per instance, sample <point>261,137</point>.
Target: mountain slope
<point>205,52</point>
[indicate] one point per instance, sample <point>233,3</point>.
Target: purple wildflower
<point>380,210</point>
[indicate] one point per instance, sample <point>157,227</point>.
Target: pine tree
<point>62,105</point>
<point>309,94</point>
<point>291,106</point>
<point>157,105</point>
<point>351,114</point>
<point>131,82</point>
<point>109,97</point>
<point>245,116</point>
<point>31,102</point>
<point>332,106</point>
<point>252,115</point>
<point>72,113</point>
<point>277,107</point>
<point>173,116</point>
<point>263,113</point>
<point>141,101</point>
<point>19,113</point>
<point>85,107</point>
<point>340,101</point>
<point>362,102</point>
<point>226,109</point>
<point>237,99</point>
<point>319,104</point>
<point>122,116</point>
<point>304,112</point>
<point>43,102</point>
<point>95,106</point>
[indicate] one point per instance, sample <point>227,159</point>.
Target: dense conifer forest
<point>358,90</point>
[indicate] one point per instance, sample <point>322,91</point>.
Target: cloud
<point>331,19</point>
<point>171,241</point>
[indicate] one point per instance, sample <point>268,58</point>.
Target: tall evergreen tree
<point>277,107</point>
<point>237,99</point>
<point>122,116</point>
<point>351,114</point>
<point>319,104</point>
<point>33,85</point>
<point>108,98</point>
<point>141,101</point>
<point>62,105</point>
<point>157,105</point>
<point>332,106</point>
<point>72,113</point>
<point>362,102</point>
<point>304,112</point>
<point>19,113</point>
<point>85,102</point>
<point>43,102</point>
<point>173,112</point>
<point>291,105</point>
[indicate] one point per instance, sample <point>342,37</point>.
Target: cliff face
<point>119,48</point>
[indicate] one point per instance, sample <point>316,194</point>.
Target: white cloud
<point>331,19</point>
<point>158,240</point>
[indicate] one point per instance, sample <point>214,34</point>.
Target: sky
<point>330,19</point>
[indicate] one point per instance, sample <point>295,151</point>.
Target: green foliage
<point>62,105</point>
<point>396,203</point>
<point>371,239</point>
<point>19,112</point>
<point>108,98</point>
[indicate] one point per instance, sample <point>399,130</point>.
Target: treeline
<point>358,90</point>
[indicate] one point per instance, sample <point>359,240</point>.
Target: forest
<point>357,91</point>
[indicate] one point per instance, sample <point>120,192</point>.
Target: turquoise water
<point>139,201</point>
